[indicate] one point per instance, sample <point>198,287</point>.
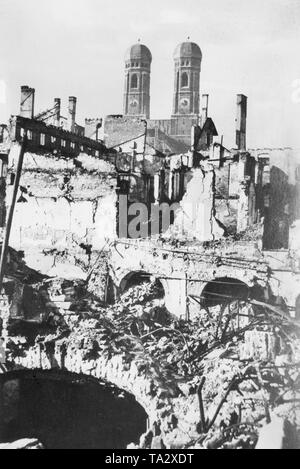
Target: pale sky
<point>77,47</point>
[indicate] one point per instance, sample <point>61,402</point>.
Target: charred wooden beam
<point>43,138</point>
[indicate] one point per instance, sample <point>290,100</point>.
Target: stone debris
<point>259,345</point>
<point>238,369</point>
<point>25,443</point>
<point>192,306</point>
<point>278,434</point>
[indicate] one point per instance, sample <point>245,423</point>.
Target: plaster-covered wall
<point>195,218</point>
<point>62,205</point>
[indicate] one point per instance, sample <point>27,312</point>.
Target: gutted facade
<point>147,254</point>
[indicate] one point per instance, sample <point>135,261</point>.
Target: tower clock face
<point>184,104</point>
<point>133,104</point>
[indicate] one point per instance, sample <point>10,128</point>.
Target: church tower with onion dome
<point>187,61</point>
<point>174,133</point>
<point>138,60</point>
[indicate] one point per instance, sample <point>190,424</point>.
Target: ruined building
<point>104,209</point>
<point>79,191</point>
<point>186,101</point>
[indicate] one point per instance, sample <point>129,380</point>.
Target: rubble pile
<point>25,443</point>
<point>233,368</point>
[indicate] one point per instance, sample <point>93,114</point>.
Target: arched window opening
<point>140,289</point>
<point>226,299</point>
<point>135,279</point>
<point>224,290</point>
<point>134,81</point>
<point>184,80</point>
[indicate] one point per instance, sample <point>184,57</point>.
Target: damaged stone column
<point>195,216</point>
<point>244,169</point>
<point>4,315</point>
<point>246,192</point>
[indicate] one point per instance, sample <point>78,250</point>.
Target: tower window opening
<point>134,81</point>
<point>184,80</point>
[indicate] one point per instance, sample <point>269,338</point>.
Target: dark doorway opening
<point>224,290</point>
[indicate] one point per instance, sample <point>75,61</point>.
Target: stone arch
<point>63,409</point>
<point>222,290</point>
<point>121,280</point>
<point>137,277</point>
<point>115,370</point>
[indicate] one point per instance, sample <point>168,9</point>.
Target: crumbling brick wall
<point>64,206</point>
<point>4,315</point>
